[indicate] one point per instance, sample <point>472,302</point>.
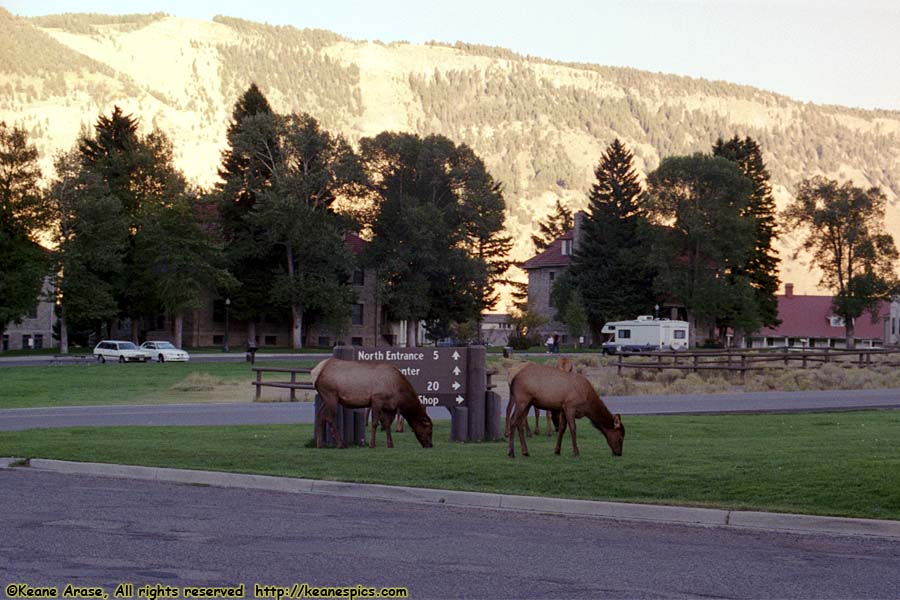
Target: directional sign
<point>437,374</point>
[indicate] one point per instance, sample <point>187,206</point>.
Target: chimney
<point>578,230</point>
<point>789,290</point>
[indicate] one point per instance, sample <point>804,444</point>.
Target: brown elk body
<point>563,364</point>
<point>571,394</point>
<point>378,386</point>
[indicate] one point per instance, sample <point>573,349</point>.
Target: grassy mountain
<point>540,125</point>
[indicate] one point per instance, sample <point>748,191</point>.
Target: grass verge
<point>841,464</point>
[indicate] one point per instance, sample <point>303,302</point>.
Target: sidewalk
<point>680,515</point>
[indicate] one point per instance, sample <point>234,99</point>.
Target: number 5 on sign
<point>436,355</point>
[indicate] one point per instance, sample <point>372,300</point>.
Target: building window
<point>38,341</point>
<point>359,277</point>
<point>680,334</point>
<point>32,313</point>
<point>5,343</point>
<point>218,340</point>
<point>271,340</point>
<point>836,321</point>
<point>357,341</point>
<point>552,276</point>
<point>26,342</point>
<point>566,247</point>
<point>218,311</point>
<point>356,314</point>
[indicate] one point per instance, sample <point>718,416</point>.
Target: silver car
<point>118,351</point>
<point>164,351</point>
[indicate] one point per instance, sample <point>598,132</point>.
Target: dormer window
<point>567,247</point>
<point>836,321</point>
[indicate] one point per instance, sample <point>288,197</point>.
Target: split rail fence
<point>741,361</point>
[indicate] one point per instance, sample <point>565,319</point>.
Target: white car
<point>164,351</point>
<point>114,350</point>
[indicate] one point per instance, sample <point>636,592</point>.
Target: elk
<point>378,386</point>
<point>563,364</point>
<point>571,394</point>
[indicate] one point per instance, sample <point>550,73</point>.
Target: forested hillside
<point>540,125</point>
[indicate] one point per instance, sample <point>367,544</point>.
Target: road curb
<point>680,515</point>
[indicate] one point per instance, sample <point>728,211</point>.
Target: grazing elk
<point>571,394</point>
<point>380,387</point>
<point>563,364</point>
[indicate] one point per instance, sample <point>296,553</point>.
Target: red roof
<point>552,256</point>
<point>354,243</point>
<point>808,316</point>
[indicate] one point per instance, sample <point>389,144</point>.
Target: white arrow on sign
<point>455,355</point>
<point>456,385</point>
<point>456,371</point>
<point>460,399</point>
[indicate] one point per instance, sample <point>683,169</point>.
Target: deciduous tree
<point>844,230</point>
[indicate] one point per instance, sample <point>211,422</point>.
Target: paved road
<point>282,413</point>
<point>95,531</point>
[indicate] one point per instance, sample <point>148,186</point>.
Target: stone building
<point>35,330</point>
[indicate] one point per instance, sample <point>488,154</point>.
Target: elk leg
<point>509,411</point>
<point>537,420</point>
<point>571,419</point>
<point>400,422</point>
<point>376,421</point>
<point>521,420</point>
<point>549,421</point>
<point>386,421</point>
<point>326,416</point>
<point>559,437</point>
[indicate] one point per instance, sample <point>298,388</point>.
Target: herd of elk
<point>565,394</point>
<point>380,387</point>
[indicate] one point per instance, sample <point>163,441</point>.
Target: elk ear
<point>617,421</point>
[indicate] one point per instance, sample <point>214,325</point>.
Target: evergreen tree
<point>484,213</point>
<point>761,267</point>
<point>848,241</point>
<point>23,214</point>
<point>556,224</point>
<point>245,173</point>
<point>138,173</point>
<point>609,267</point>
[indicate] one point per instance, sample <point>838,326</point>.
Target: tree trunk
<point>63,331</point>
<point>251,333</point>
<point>135,330</point>
<point>411,333</point>
<point>2,329</point>
<point>297,328</point>
<point>179,329</point>
<point>849,327</point>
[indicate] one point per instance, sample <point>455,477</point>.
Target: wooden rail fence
<point>741,361</point>
<point>293,385</point>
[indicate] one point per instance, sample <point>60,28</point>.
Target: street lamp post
<point>656,307</point>
<point>227,305</point>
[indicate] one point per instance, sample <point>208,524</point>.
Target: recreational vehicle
<point>645,333</point>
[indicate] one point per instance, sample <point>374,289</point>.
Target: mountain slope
<point>540,125</point>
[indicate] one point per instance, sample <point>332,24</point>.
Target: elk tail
<point>314,374</point>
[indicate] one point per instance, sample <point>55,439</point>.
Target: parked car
<point>164,351</point>
<point>115,350</point>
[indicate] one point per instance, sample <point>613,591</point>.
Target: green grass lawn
<point>133,383</point>
<point>842,464</point>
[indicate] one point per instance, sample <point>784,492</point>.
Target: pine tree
<point>556,224</point>
<point>252,145</point>
<point>609,266</point>
<point>762,266</point>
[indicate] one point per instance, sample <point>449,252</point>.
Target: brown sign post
<point>454,378</point>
